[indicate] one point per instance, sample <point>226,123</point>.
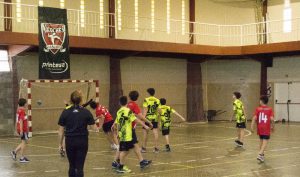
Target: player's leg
<point>165,133</point>
<point>242,134</point>
<point>263,145</point>
<point>155,132</point>
<point>24,139</point>
<point>124,151</point>
<point>144,146</point>
<point>137,150</point>
<point>71,155</point>
<point>81,155</point>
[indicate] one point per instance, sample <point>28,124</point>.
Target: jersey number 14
<point>262,118</point>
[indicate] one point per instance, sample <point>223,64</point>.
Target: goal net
<point>46,100</point>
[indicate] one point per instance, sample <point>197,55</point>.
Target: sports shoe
<point>24,160</point>
<point>115,165</point>
<point>156,150</point>
<point>124,169</point>
<point>13,155</point>
<point>143,150</point>
<point>114,147</point>
<point>168,149</point>
<point>145,163</point>
<point>238,143</point>
<point>261,158</point>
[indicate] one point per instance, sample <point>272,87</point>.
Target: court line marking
<point>213,164</point>
<point>257,171</point>
<point>25,172</point>
<point>191,161</point>
<point>100,168</point>
<point>220,157</point>
<point>206,159</point>
<point>195,147</point>
<point>52,171</point>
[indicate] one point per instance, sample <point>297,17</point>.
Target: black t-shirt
<point>75,120</point>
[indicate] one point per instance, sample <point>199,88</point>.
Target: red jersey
<point>102,111</point>
<point>263,118</point>
<point>21,116</point>
<point>135,109</point>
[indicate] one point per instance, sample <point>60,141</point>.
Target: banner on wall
<point>54,54</point>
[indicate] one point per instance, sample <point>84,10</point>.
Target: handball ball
<point>39,102</point>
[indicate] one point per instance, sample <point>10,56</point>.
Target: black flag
<point>54,54</point>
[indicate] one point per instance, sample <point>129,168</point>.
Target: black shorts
<point>155,125</point>
<point>264,137</point>
<point>107,126</point>
<point>165,131</point>
<point>25,136</point>
<point>126,145</point>
<point>134,137</point>
<point>241,125</point>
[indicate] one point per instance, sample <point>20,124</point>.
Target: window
<point>152,16</point>
<point>4,65</point>
<point>168,17</point>
<point>41,2</point>
<point>183,17</point>
<point>119,10</point>
<point>82,19</point>
<point>136,15</point>
<point>19,11</point>
<point>287,17</point>
<point>62,4</point>
<point>101,14</point>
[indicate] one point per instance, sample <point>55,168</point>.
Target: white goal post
<point>52,92</point>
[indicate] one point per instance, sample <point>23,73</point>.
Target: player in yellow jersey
<point>165,118</point>
<point>239,115</point>
<point>124,120</point>
<point>151,112</point>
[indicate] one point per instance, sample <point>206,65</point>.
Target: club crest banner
<point>54,54</point>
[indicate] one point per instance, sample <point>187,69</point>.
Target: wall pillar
<point>194,92</point>
<point>115,85</point>
<point>263,78</point>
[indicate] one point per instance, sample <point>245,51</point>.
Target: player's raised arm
<point>180,116</point>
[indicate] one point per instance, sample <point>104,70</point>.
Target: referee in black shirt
<point>73,124</point>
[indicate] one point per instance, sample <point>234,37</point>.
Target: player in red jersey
<point>106,121</point>
<point>22,130</point>
<point>133,106</point>
<point>264,118</point>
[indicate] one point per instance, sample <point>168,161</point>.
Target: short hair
<point>151,91</point>
<point>123,100</point>
<point>22,102</point>
<point>163,101</point>
<point>93,104</point>
<point>264,99</point>
<point>134,95</point>
<point>238,95</point>
<point>76,97</point>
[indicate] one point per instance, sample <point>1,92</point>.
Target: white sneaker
<point>261,158</point>
<point>114,147</point>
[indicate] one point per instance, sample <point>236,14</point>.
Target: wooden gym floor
<point>198,150</point>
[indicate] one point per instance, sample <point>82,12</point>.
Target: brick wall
<point>6,104</point>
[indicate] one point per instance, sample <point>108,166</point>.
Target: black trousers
<point>76,148</point>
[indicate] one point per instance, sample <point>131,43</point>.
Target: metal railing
<point>178,31</point>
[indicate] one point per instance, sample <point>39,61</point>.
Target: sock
<point>168,146</point>
<point>118,160</point>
